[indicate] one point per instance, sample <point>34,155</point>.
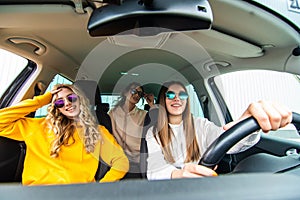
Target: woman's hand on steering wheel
<point>269,115</point>
<point>191,170</point>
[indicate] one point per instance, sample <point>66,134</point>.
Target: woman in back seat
<point>127,123</point>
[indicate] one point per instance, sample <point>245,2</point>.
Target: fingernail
<point>214,174</point>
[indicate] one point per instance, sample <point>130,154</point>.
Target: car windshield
<point>134,93</point>
<point>290,9</point>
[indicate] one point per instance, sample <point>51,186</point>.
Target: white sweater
<point>206,133</point>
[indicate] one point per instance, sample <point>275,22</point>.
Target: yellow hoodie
<point>73,164</point>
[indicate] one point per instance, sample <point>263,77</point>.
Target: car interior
<point>103,45</point>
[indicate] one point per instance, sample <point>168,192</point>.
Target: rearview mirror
<point>162,15</point>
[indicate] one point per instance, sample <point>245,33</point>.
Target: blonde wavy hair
<point>64,127</point>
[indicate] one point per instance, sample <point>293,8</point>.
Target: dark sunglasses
<point>182,95</point>
<point>140,93</point>
<point>59,103</point>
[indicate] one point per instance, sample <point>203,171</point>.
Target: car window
<point>11,66</point>
<point>290,9</point>
<point>195,105</point>
<point>41,112</point>
<point>239,89</point>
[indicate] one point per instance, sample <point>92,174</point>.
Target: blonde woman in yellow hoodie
<point>65,146</point>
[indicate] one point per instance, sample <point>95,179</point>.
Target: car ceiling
<point>231,44</point>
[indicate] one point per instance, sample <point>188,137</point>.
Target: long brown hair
<point>64,127</point>
<point>164,132</point>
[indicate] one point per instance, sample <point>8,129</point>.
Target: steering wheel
<point>217,150</point>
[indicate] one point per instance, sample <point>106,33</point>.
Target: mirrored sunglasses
<point>59,103</point>
<point>134,91</point>
<point>182,95</point>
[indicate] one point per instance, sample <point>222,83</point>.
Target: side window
<point>56,80</point>
<point>112,100</point>
<point>11,65</point>
<point>196,108</point>
<point>239,89</point>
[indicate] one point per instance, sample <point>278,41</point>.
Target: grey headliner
<point>234,42</point>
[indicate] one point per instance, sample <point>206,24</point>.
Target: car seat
<point>150,120</point>
<point>11,159</point>
<point>91,90</point>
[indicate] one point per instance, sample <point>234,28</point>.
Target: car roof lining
<point>239,50</point>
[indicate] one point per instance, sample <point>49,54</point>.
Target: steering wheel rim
<point>217,150</point>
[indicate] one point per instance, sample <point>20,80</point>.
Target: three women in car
<point>65,146</point>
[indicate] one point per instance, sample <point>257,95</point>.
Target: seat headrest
<point>91,90</point>
<point>104,107</point>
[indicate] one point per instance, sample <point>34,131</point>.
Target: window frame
<point>16,85</point>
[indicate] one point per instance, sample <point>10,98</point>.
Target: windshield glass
<point>290,9</point>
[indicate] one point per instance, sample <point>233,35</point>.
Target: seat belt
<point>204,101</point>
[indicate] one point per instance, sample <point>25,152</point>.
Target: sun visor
<point>214,40</point>
<point>162,15</point>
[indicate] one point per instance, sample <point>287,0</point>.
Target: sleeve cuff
<point>44,99</point>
